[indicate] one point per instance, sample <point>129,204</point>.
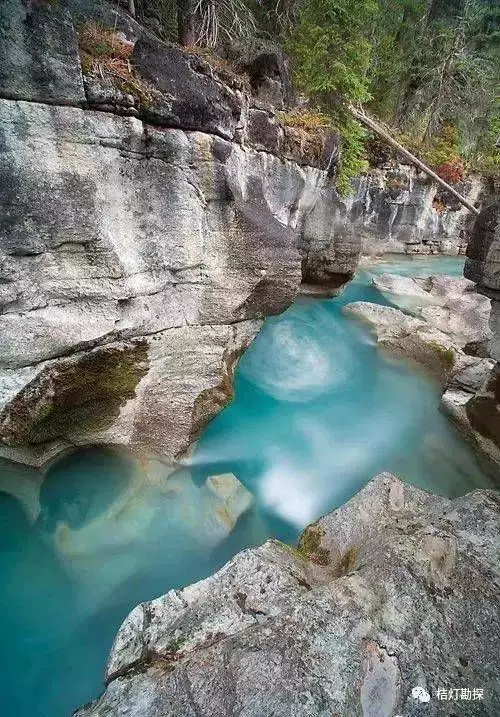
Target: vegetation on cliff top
<point>427,68</point>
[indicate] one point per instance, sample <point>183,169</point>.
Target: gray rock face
<point>388,599</point>
<point>409,337</point>
<point>483,251</point>
<point>195,101</point>
<point>478,415</point>
<point>398,209</point>
<point>39,54</point>
<point>115,231</point>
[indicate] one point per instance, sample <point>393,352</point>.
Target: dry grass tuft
<point>305,132</point>
<point>225,69</point>
<point>100,42</point>
<point>103,53</point>
<point>304,119</point>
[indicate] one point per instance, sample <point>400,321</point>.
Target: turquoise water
<point>317,411</point>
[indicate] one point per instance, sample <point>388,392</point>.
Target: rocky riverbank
<point>450,327</point>
<point>385,603</point>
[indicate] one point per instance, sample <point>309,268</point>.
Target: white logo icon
<point>420,694</point>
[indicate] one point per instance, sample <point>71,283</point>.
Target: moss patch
<point>310,548</point>
<point>447,356</point>
<point>348,561</point>
<point>212,400</point>
<point>75,393</point>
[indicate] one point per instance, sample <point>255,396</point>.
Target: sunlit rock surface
<point>390,598</point>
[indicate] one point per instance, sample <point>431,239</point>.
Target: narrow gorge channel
<point>318,410</point>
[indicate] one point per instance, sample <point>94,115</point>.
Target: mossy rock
<point>310,545</point>
<point>447,356</point>
<point>84,393</point>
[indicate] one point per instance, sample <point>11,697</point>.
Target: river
<point>318,410</point>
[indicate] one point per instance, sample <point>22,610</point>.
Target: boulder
<point>192,97</point>
<point>387,603</point>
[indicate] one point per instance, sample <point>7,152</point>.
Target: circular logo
<point>420,694</point>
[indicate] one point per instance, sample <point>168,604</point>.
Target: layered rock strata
<point>146,229</point>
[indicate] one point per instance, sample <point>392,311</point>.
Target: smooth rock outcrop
<point>409,337</point>
<point>389,599</point>
<point>439,316</point>
<point>128,223</point>
<point>449,304</point>
<point>396,208</point>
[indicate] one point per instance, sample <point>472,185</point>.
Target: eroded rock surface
<point>439,316</point>
<point>477,413</point>
<point>163,223</point>
<point>449,304</point>
<point>392,595</point>
<point>396,208</point>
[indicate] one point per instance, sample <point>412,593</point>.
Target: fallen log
<point>375,127</point>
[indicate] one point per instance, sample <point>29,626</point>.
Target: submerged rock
<point>387,601</point>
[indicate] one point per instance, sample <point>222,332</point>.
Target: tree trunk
<point>375,127</point>
<point>131,7</point>
<point>185,22</point>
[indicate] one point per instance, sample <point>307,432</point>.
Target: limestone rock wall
<point>398,209</point>
<point>145,232</point>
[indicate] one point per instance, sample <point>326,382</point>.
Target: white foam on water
<point>300,359</point>
<point>287,493</point>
